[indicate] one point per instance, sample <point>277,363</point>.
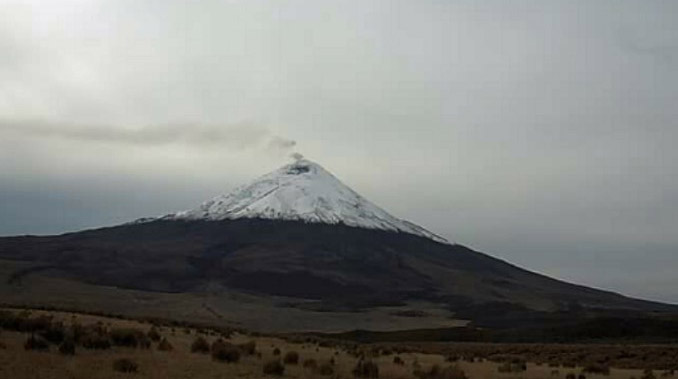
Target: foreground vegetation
<point>41,344</point>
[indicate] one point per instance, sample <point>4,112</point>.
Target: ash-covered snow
<point>302,191</point>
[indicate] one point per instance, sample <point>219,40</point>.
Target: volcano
<point>299,233</point>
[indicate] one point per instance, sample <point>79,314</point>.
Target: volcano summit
<point>301,191</point>
<point>298,236</point>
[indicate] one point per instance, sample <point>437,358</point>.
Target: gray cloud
<point>664,51</point>
<point>235,136</point>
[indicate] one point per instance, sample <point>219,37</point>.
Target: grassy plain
<point>317,358</point>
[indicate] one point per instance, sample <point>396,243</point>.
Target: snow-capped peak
<point>303,191</point>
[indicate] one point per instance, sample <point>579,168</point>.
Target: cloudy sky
<point>542,132</point>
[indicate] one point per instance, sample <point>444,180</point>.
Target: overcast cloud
<point>542,132</point>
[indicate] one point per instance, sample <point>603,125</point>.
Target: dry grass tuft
<point>291,358</point>
<point>436,372</point>
<point>154,334</point>
<point>366,369</point>
<point>200,345</point>
<point>596,368</point>
<point>129,338</point>
<point>165,345</point>
<point>249,348</point>
<point>36,343</point>
<point>274,367</point>
<point>223,351</point>
<point>125,365</point>
<point>310,364</point>
<point>326,369</point>
<point>67,347</point>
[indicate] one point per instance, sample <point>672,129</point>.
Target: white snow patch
<point>302,191</point>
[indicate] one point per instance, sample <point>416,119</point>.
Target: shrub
<point>125,365</point>
<point>366,369</point>
<point>93,340</point>
<point>54,333</point>
<point>648,374</point>
<point>274,368</point>
<point>452,372</point>
<point>36,343</point>
<point>67,347</point>
<point>291,358</point>
<point>276,351</point>
<point>164,345</point>
<point>153,334</point>
<point>249,348</point>
<point>35,324</point>
<point>515,366</point>
<point>571,375</point>
<point>597,369</point>
<point>435,372</point>
<point>326,369</point>
<point>225,352</point>
<point>310,363</point>
<point>200,345</point>
<point>129,338</point>
<point>397,360</point>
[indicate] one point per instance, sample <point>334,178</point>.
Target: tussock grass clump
<point>165,345</point>
<point>154,334</point>
<point>125,365</point>
<point>514,365</point>
<point>436,372</point>
<point>94,341</point>
<point>276,352</point>
<point>54,333</point>
<point>274,368</point>
<point>597,368</point>
<point>452,372</point>
<point>291,358</point>
<point>326,369</point>
<point>129,338</point>
<point>397,360</point>
<point>366,369</point>
<point>67,347</point>
<point>248,348</point>
<point>310,363</point>
<point>200,345</point>
<point>36,343</point>
<point>223,351</point>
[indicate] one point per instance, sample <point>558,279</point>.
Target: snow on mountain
<point>303,191</point>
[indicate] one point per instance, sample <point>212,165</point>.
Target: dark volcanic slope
<point>316,261</point>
